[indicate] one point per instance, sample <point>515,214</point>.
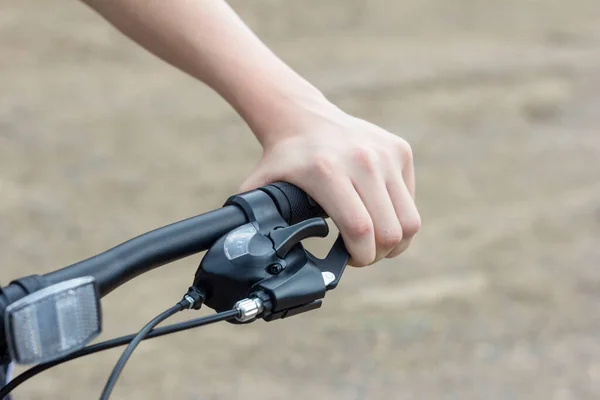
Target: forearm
<point>360,174</point>
<point>206,39</point>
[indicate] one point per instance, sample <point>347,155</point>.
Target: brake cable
<point>120,365</point>
<point>116,342</point>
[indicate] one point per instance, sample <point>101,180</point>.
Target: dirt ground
<point>497,299</point>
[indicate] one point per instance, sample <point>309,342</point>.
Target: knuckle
<point>411,226</point>
<point>323,166</point>
<point>404,149</point>
<point>390,238</point>
<point>359,227</point>
<point>366,158</point>
<point>358,233</point>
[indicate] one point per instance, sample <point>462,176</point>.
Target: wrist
<point>280,108</point>
<point>289,115</point>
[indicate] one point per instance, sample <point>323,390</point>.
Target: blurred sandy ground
<point>498,298</point>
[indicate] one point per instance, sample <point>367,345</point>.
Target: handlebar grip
<point>293,203</point>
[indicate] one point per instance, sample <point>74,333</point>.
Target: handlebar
<point>124,262</point>
<point>298,288</point>
<point>161,246</point>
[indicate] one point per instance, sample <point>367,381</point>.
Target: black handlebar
<point>151,250</point>
<point>161,246</point>
<point>299,288</point>
<point>118,265</point>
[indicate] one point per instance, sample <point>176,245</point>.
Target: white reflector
<point>53,322</point>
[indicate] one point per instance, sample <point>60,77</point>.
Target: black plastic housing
<point>270,262</point>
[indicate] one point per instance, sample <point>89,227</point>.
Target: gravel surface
<point>497,299</point>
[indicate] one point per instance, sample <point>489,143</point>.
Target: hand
<point>360,174</point>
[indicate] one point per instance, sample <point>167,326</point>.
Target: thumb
<point>257,178</point>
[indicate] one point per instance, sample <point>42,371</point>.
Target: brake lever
<point>263,270</point>
<point>333,265</point>
<point>299,290</point>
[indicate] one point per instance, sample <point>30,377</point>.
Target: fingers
<point>345,207</point>
<point>340,201</point>
<point>406,212</point>
<point>405,155</point>
<point>368,191</point>
<point>371,186</point>
<point>389,202</point>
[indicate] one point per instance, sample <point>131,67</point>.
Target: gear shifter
<point>264,260</point>
<point>286,238</point>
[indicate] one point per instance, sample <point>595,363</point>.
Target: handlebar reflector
<point>53,321</point>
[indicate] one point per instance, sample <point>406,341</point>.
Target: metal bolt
<point>274,269</point>
<point>248,309</point>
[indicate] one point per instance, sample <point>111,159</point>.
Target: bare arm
<point>206,39</point>
<point>336,158</point>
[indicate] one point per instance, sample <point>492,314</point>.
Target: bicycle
<point>255,267</point>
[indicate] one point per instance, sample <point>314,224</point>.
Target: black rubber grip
<point>293,203</point>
